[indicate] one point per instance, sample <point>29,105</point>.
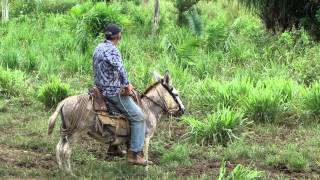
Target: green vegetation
<point>289,158</point>
<point>240,173</point>
<point>12,82</point>
<point>50,94</point>
<point>252,96</point>
<point>218,128</point>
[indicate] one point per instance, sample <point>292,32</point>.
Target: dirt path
<point>24,159</point>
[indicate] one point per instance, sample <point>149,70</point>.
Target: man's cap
<point>112,29</point>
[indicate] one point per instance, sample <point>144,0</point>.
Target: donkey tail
<point>53,117</point>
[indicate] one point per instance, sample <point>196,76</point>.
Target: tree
<point>5,10</point>
<point>281,15</point>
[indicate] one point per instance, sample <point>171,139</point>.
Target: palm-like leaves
<point>182,7</point>
<point>195,22</point>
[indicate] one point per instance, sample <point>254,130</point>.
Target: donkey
<point>78,117</point>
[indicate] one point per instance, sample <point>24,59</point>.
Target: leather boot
<point>136,158</point>
<point>115,150</point>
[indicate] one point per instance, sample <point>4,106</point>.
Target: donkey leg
<point>146,153</point>
<point>65,154</point>
<point>59,153</point>
<point>68,151</point>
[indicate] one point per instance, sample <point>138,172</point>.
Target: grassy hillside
<point>252,96</point>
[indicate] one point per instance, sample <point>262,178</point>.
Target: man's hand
<point>127,91</point>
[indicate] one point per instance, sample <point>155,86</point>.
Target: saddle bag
<point>117,127</point>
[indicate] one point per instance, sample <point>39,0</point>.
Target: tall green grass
<point>219,128</point>
<point>12,83</point>
<point>312,100</point>
<point>51,93</point>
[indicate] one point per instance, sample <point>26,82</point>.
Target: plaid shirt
<point>109,73</point>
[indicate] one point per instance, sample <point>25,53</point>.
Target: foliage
<point>290,158</point>
<point>218,128</point>
<point>25,7</point>
<point>195,22</point>
<point>283,15</point>
<point>91,19</point>
<point>178,153</point>
<point>312,99</point>
<point>50,94</point>
<point>210,94</point>
<point>12,83</point>
<point>240,172</point>
<point>243,173</point>
<point>264,105</point>
<point>182,7</point>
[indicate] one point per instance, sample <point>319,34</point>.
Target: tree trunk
<point>156,17</point>
<point>5,10</point>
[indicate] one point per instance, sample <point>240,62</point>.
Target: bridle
<point>163,104</point>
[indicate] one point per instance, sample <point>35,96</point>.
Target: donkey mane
<point>150,88</point>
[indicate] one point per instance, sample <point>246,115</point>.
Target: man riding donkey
<point>111,78</point>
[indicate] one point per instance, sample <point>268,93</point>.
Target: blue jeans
<point>133,112</point>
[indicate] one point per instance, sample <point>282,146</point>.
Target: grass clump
<point>263,105</point>
<point>312,100</point>
<point>178,153</point>
<point>50,94</point>
<point>12,82</point>
<point>289,158</point>
<point>218,128</point>
<point>240,172</point>
<point>9,58</point>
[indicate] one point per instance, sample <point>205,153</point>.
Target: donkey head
<point>168,96</point>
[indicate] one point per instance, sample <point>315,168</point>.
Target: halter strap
<point>165,109</point>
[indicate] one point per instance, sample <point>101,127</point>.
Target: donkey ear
<point>156,76</point>
<point>166,77</point>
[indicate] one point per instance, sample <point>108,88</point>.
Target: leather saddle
<point>102,104</point>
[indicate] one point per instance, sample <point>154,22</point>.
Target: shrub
<point>220,127</point>
<point>306,67</point>
<point>91,19</point>
<point>312,100</point>
<point>285,88</point>
<point>50,94</point>
<point>52,6</point>
<point>9,58</point>
<point>208,94</point>
<point>263,105</point>
<point>178,153</point>
<point>24,7</point>
<point>217,33</point>
<point>12,82</point>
